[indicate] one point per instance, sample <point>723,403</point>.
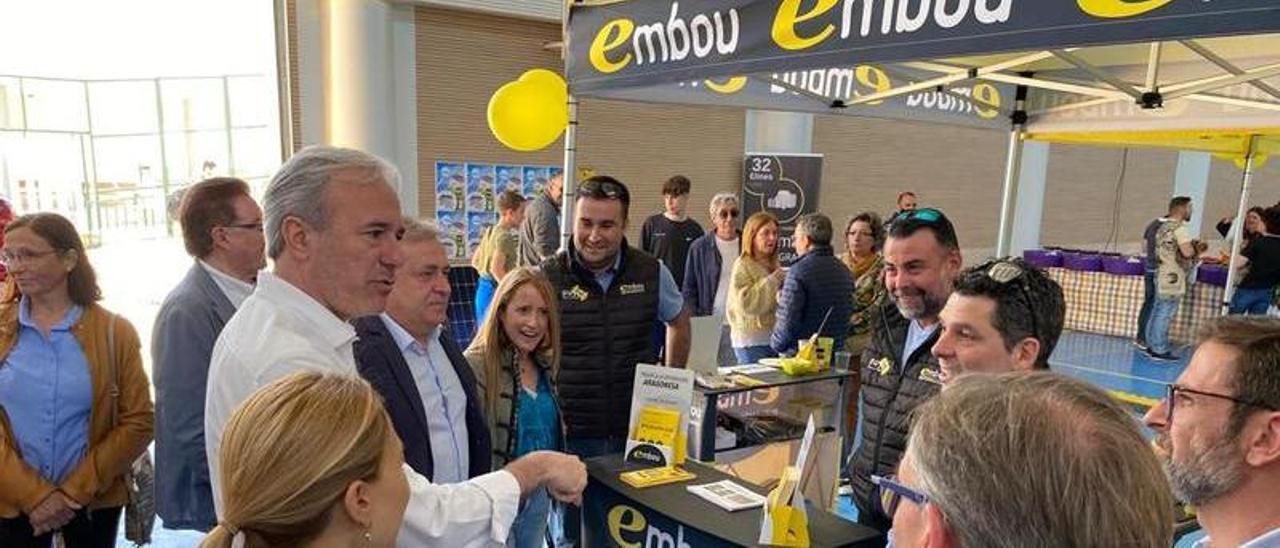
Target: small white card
<point>728,495</point>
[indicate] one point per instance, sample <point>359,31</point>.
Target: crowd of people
<point>323,400</point>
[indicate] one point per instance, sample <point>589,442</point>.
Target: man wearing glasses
<point>1028,459</point>
<point>921,261</point>
<point>222,230</point>
<point>1004,315</point>
<point>1218,432</point>
<point>709,270</point>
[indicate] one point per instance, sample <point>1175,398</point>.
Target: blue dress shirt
<point>47,391</point>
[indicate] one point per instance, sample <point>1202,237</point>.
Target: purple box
<point>1084,262</point>
<point>1122,266</point>
<point>1042,258</point>
<point>1212,274</point>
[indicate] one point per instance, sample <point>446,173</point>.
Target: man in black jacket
<point>921,261</point>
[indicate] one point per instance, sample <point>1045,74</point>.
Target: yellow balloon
<point>530,113</point>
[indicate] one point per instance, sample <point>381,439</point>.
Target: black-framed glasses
<point>728,214</point>
<point>1007,271</point>
<point>893,491</point>
<point>246,226</point>
<point>1172,391</point>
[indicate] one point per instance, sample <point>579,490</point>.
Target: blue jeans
<point>530,528</point>
<point>485,288</point>
<point>570,532</point>
<point>1148,298</point>
<point>753,354</point>
<point>1162,313</point>
<point>1251,301</point>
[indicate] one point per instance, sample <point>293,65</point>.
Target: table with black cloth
<point>669,516</point>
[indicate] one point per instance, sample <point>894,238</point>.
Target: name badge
<point>931,375</point>
<point>882,366</point>
<point>577,293</point>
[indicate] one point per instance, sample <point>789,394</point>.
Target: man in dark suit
<point>426,384</point>
<point>222,230</point>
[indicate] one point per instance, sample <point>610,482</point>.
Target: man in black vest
<point>921,262</point>
<point>610,296</point>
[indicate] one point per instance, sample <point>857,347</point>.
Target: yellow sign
<point>625,519</point>
<point>1118,9</point>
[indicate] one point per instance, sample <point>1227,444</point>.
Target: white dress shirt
<point>1270,539</point>
<point>444,401</point>
<point>235,289</point>
<point>279,330</point>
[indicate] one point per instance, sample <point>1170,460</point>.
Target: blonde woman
<point>754,288</point>
<point>516,357</point>
<point>311,460</point>
<point>75,403</point>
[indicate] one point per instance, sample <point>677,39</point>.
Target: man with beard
<point>1218,432</point>
<point>1004,315</point>
<point>921,261</point>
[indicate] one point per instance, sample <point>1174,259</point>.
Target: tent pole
<point>1012,169</point>
<point>1237,226</point>
<point>570,183</point>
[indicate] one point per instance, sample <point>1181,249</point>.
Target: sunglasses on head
<point>928,215</point>
<point>609,188</point>
<point>1006,271</point>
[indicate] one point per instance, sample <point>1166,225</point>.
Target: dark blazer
<point>382,364</point>
<point>702,274</point>
<point>189,322</point>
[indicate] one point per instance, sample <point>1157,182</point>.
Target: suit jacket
<point>381,363</point>
<point>189,322</point>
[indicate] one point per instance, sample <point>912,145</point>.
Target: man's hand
<point>564,476</point>
<point>54,512</point>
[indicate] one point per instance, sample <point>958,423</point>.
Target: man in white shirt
<point>333,228</point>
<point>1218,432</point>
<point>222,230</point>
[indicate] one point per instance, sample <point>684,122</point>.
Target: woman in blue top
<point>515,355</point>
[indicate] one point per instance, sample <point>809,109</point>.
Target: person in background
<point>815,292</point>
<point>1027,459</point>
<point>311,461</point>
<point>222,231</point>
<point>921,261</point>
<point>540,229</point>
<point>1253,227</point>
<point>497,253</point>
<point>667,235</point>
<point>75,403</point>
<point>409,357</point>
<point>516,357</point>
<point>1004,315</point>
<point>906,202</point>
<point>6,217</point>
<point>864,238</point>
<point>1218,432</point>
<point>709,271</point>
<point>753,289</point>
<point>1262,259</point>
<point>1175,253</point>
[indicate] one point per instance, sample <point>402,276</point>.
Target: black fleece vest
<point>605,332</point>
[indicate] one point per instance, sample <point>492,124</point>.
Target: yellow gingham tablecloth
<point>1108,304</point>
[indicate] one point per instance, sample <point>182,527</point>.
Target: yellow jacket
<point>98,481</point>
<point>753,299</point>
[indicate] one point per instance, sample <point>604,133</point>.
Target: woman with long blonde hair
<point>516,357</point>
<point>753,291</point>
<point>311,460</point>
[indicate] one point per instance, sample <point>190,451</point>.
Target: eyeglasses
<point>1006,271</point>
<point>1171,396</point>
<point>728,214</point>
<point>11,258</point>
<point>247,226</point>
<point>892,492</point>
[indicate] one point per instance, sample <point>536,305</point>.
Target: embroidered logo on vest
<point>577,293</point>
<point>882,366</point>
<point>930,374</point>
<point>631,289</point>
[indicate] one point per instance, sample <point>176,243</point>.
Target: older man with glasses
<point>1218,432</point>
<point>1004,315</point>
<point>1027,459</point>
<point>709,270</point>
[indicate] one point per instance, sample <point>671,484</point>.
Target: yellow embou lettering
<point>615,33</point>
<point>788,16</point>
<point>1118,9</point>
<point>622,519</point>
